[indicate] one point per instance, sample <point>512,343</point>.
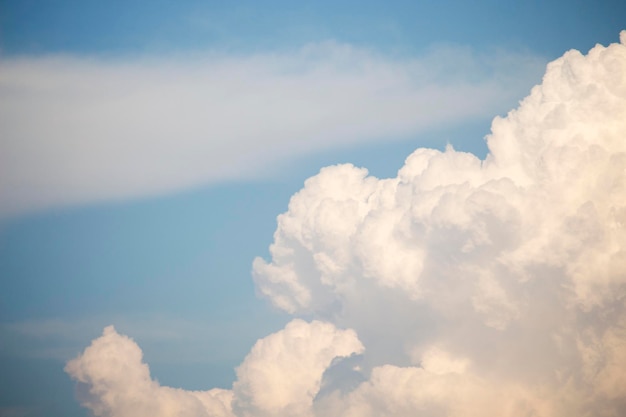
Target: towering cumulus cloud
<point>468,287</point>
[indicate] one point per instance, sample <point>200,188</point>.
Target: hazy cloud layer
<point>77,130</point>
<point>467,287</point>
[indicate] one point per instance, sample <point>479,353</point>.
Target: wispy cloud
<point>85,129</point>
<point>168,336</point>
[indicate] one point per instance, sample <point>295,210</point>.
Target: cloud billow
<point>464,287</point>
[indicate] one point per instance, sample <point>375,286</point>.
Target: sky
<point>335,208</point>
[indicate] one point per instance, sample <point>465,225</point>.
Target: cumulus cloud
<point>283,372</point>
<point>114,382</point>
<point>502,274</point>
<point>85,129</point>
<point>466,287</point>
<point>280,376</point>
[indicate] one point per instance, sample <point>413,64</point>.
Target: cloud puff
<point>114,382</point>
<point>476,288</point>
<point>78,129</point>
<point>283,372</point>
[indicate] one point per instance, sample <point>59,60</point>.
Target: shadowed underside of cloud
<point>79,130</point>
<point>468,287</point>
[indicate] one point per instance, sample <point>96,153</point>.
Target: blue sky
<point>169,263</point>
<point>135,27</point>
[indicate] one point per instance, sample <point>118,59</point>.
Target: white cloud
<point>476,288</point>
<point>114,382</point>
<point>283,372</point>
<point>280,376</point>
<point>78,129</point>
<point>513,269</point>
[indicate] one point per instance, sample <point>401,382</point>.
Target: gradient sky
<point>171,267</point>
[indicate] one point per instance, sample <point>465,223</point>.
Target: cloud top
<point>466,287</point>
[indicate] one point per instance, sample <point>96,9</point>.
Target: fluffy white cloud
<point>78,129</point>
<point>114,382</point>
<point>476,288</point>
<point>515,265</point>
<point>283,372</point>
<point>280,376</point>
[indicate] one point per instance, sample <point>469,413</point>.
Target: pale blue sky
<point>173,270</point>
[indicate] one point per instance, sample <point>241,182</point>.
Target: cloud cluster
<point>280,376</point>
<point>467,287</point>
<point>79,130</point>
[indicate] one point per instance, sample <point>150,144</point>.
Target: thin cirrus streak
<point>79,130</point>
<point>460,287</point>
